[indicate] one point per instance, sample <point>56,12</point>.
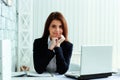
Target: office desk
<point>61,77</point>
<point>56,77</point>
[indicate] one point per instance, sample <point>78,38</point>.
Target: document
<point>31,74</point>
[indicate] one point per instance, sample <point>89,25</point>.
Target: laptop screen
<point>96,59</point>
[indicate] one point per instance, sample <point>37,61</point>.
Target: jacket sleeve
<point>41,56</point>
<point>63,56</point>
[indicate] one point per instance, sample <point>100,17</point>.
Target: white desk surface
<point>61,77</point>
<point>57,77</point>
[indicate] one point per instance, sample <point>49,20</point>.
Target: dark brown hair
<point>56,16</point>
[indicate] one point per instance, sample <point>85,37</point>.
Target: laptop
<point>95,62</point>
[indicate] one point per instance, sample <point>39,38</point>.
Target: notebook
<point>31,74</point>
<point>95,62</point>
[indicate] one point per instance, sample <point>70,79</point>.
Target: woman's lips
<point>57,35</point>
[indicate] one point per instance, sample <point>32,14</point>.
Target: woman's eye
<point>53,26</point>
<point>60,26</point>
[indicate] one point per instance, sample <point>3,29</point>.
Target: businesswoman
<point>52,52</point>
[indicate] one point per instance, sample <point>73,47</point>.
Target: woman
<point>52,52</point>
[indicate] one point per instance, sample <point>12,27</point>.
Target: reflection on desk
<point>62,77</point>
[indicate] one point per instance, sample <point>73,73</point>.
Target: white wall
<point>8,27</point>
<point>89,21</point>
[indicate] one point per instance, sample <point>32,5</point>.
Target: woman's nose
<point>57,29</point>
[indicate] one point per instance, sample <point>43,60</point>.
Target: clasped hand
<point>55,42</point>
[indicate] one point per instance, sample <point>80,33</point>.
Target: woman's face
<point>55,29</point>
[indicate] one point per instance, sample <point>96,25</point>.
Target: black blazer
<point>42,55</point>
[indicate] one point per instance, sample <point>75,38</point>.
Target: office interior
<point>90,22</point>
